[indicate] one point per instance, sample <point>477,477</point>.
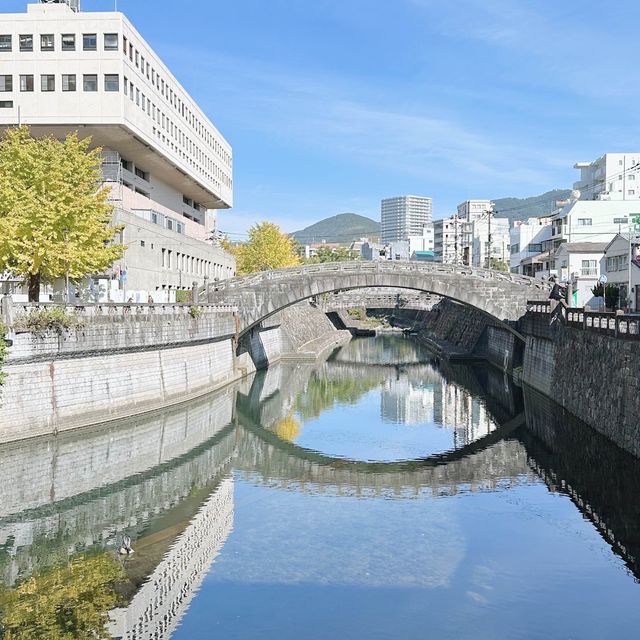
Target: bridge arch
<point>501,296</point>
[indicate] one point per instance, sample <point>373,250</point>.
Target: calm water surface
<point>375,495</point>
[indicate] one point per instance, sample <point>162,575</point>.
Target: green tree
<point>63,603</point>
<point>54,215</point>
<point>335,254</point>
<point>499,265</point>
<point>267,248</point>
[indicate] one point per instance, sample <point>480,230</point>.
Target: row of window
<point>175,137</point>
<point>69,82</point>
<point>188,264</point>
<point>618,263</point>
<point>67,42</point>
<point>147,70</point>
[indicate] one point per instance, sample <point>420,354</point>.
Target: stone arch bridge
<point>502,296</point>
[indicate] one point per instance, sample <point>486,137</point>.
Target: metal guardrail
<point>617,325</point>
<point>433,268</point>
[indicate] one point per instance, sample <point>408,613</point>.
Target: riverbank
<point>129,364</point>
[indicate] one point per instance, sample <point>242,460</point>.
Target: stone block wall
<point>593,376</point>
<point>502,350</point>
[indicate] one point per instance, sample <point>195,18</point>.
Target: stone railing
<point>389,266</point>
<point>617,325</point>
<point>111,310</point>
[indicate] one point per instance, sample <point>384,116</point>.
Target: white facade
<point>613,176</point>
<point>579,265</point>
<point>621,265</point>
<point>496,230</point>
<point>404,216</point>
<point>453,240</point>
<point>423,242</point>
<point>62,71</point>
<point>526,241</point>
<point>471,210</point>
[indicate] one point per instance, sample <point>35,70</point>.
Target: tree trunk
<point>34,287</point>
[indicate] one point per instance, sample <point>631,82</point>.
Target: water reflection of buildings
<point>419,394</point>
<point>157,608</point>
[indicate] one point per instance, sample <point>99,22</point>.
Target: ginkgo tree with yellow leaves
<point>267,248</point>
<point>55,218</point>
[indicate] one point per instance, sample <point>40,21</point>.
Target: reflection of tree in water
<point>383,349</point>
<point>324,392</point>
<point>62,603</point>
<point>288,428</point>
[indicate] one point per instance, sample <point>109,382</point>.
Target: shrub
<point>41,321</point>
<point>184,295</point>
<point>195,311</point>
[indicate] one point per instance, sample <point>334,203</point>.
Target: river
<point>378,494</point>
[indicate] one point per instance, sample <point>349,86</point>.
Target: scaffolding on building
<point>112,176</point>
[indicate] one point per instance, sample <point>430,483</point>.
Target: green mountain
<point>343,228</point>
<point>523,208</point>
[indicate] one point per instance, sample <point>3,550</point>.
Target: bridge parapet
<point>503,296</point>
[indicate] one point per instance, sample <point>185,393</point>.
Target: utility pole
<point>489,241</point>
<point>455,222</point>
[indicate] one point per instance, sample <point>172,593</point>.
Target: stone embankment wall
<point>57,383</point>
<point>592,375</point>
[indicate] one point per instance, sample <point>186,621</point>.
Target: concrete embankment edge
<point>80,383</point>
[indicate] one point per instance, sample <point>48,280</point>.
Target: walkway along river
<point>374,495</point>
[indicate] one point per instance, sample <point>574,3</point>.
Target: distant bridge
<point>503,296</point>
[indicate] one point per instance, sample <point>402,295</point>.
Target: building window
<point>137,59</point>
<point>131,52</point>
<point>69,82</point>
<point>126,164</point>
<point>6,83</point>
<point>112,82</point>
<point>6,104</point>
<point>5,42</point>
<point>26,42</point>
<point>89,42</point>
<point>26,83</point>
<point>138,97</point>
<point>126,86</point>
<point>47,42</point>
<point>589,268</point>
<point>47,83</point>
<point>585,222</point>
<point>124,45</point>
<point>142,174</point>
<point>68,42</point>
<point>89,82</point>
<point>631,192</point>
<point>110,41</point>
<point>631,177</point>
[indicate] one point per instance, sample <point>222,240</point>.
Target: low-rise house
<point>578,265</point>
<point>621,265</point>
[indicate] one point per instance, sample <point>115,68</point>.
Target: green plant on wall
<point>611,294</point>
<point>3,350</point>
<point>195,311</point>
<point>41,321</point>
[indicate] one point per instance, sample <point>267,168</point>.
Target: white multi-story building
<point>471,210</point>
<point>613,176</point>
<point>579,265</point>
<point>404,216</point>
<point>490,240</point>
<point>526,244</point>
<point>452,239</point>
<point>169,168</point>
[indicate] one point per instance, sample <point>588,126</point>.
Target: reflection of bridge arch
<point>503,296</point>
<point>481,464</point>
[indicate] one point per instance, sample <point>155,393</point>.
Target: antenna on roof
<point>74,5</point>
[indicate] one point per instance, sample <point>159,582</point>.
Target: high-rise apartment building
<point>168,167</point>
<point>472,210</point>
<point>404,216</point>
<point>613,176</point>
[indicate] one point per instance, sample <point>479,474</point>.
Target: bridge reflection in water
<point>166,478</point>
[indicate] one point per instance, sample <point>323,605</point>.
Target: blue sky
<point>332,105</point>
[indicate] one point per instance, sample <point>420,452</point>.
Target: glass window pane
<point>89,42</point>
<point>90,82</point>
<point>26,42</point>
<point>6,83</point>
<point>110,41</point>
<point>69,82</point>
<point>112,82</point>
<point>5,42</point>
<point>47,83</point>
<point>46,42</point>
<point>68,42</point>
<point>26,83</point>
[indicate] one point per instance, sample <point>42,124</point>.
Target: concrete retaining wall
<point>59,383</point>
